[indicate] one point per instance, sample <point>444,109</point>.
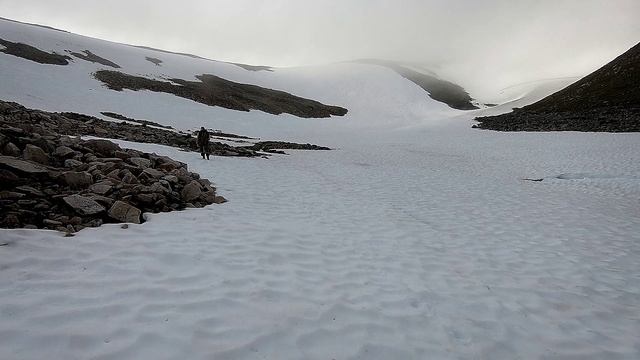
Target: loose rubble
<point>54,181</point>
<point>74,124</point>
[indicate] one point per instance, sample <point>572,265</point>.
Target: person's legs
<point>202,151</point>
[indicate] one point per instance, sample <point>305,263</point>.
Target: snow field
<point>415,239</point>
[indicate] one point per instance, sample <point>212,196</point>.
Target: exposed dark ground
<point>606,100</point>
<point>34,54</point>
<point>91,57</point>
<point>440,90</point>
<point>155,61</point>
<point>74,124</point>
<point>141,122</point>
<point>215,91</point>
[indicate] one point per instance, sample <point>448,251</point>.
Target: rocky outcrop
<point>53,181</point>
<point>79,124</point>
<point>87,55</point>
<point>29,52</point>
<point>215,91</point>
<point>605,100</point>
<point>272,146</point>
<point>444,91</point>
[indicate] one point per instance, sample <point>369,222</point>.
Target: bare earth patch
<point>156,61</point>
<point>34,54</point>
<point>91,57</point>
<point>215,91</point>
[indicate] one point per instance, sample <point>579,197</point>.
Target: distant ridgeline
<point>606,100</point>
<point>209,90</point>
<point>440,90</point>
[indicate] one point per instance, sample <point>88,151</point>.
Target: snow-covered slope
<point>417,238</point>
<point>370,93</point>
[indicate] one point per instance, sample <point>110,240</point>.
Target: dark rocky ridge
<point>253,67</point>
<point>215,91</point>
<point>75,124</point>
<point>91,57</point>
<point>273,146</point>
<point>53,181</point>
<point>440,90</point>
<point>155,61</point>
<point>606,100</point>
<point>141,122</point>
<point>34,54</point>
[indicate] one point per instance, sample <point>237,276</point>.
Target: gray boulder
<point>83,205</point>
<point>11,149</point>
<point>63,152</point>
<point>35,153</point>
<point>140,162</point>
<point>102,147</point>
<point>77,179</point>
<point>72,163</point>
<point>124,212</point>
<point>101,188</point>
<point>21,166</point>
<point>191,191</point>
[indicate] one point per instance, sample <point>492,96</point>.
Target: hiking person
<point>203,142</point>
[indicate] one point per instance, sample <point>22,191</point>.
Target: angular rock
<point>172,179</point>
<point>124,212</point>
<point>155,174</point>
<point>82,205</point>
<point>128,177</point>
<point>219,200</point>
<point>157,187</point>
<point>105,148</point>
<point>63,152</point>
<point>21,166</point>
<point>102,200</point>
<point>140,162</point>
<point>10,149</point>
<point>102,188</point>
<point>146,198</point>
<point>77,179</point>
<point>35,153</point>
<point>71,163</point>
<point>49,222</point>
<point>191,191</point>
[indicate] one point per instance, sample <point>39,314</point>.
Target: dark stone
<point>35,153</point>
<point>83,205</point>
<point>191,191</point>
<point>21,166</point>
<point>104,148</point>
<point>124,212</point>
<point>10,149</point>
<point>76,180</point>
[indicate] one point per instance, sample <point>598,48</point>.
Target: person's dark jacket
<point>203,138</point>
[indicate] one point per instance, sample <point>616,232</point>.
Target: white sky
<point>483,45</point>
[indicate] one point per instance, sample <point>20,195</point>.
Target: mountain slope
<point>606,100</point>
<point>444,91</point>
<point>373,96</point>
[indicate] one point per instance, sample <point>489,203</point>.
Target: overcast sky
<point>483,44</point>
